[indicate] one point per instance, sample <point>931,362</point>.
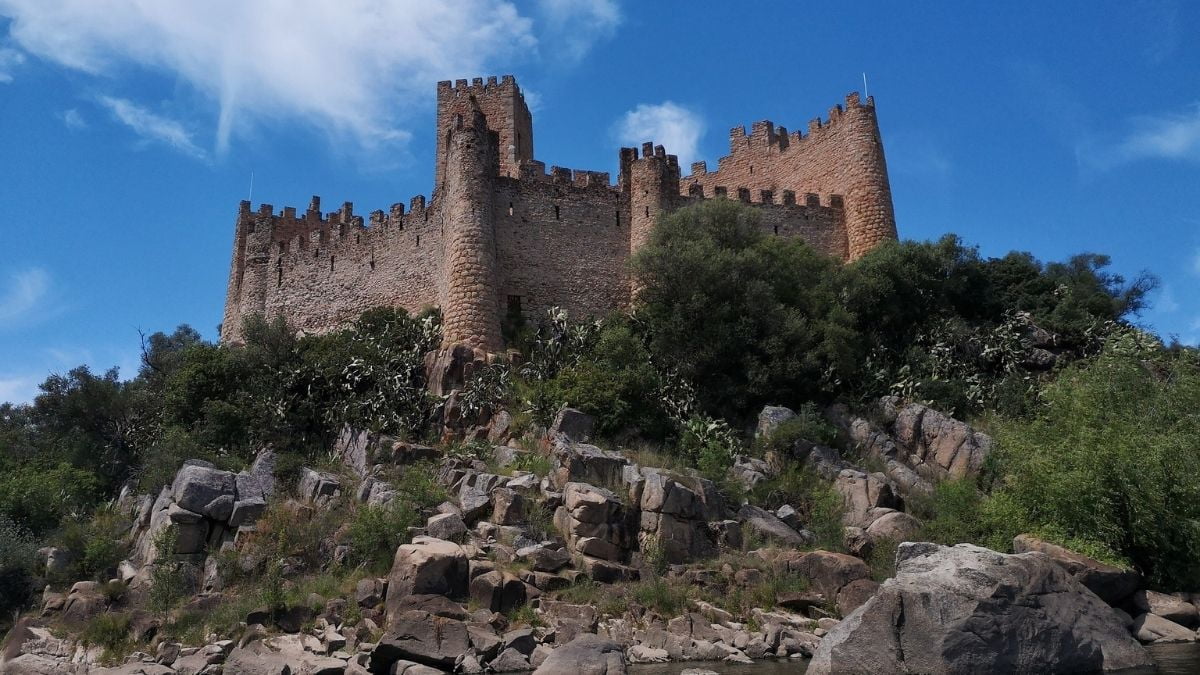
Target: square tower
<point>503,106</point>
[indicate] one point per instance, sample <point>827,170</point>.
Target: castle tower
<point>247,290</point>
<point>870,218</point>
<point>653,186</point>
<point>502,105</point>
<point>470,309</point>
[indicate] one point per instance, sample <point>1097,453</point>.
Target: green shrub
<point>97,544</point>
<point>808,425</point>
<point>1111,460</point>
<point>109,630</point>
<point>18,558</point>
<point>172,579</point>
<point>376,531</point>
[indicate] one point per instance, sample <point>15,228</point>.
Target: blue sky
<point>129,129</point>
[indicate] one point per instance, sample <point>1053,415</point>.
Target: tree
<point>750,318</point>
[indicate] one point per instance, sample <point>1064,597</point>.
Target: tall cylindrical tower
<point>470,304</point>
<point>870,219</point>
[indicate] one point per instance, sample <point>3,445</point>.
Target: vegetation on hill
<point>1096,441</point>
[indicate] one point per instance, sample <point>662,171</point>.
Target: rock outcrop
<point>968,609</point>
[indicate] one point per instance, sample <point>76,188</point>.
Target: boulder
<point>246,511</point>
<point>498,591</point>
<point>767,525</point>
<point>317,486</point>
<point>584,463</point>
<point>573,425</point>
<point>1149,628</point>
<point>542,558</point>
<point>427,565</point>
<point>197,486</point>
<point>437,605</point>
<point>939,445</point>
<point>420,637</point>
<point>968,609</point>
<point>587,654</point>
<point>1112,584</point>
<point>829,572</point>
<point>510,660</point>
<point>370,592</point>
<point>508,507</point>
<point>1170,607</point>
<point>447,526</point>
<point>770,418</point>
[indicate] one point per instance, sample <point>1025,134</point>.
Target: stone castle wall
<point>501,234</point>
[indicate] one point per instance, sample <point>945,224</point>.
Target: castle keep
<point>502,235</point>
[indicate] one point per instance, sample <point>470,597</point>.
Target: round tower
<point>870,219</point>
<point>469,301</point>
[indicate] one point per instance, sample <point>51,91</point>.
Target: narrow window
<point>618,215</point>
<point>330,263</point>
<point>358,238</point>
<point>556,212</point>
<point>279,275</point>
<point>510,208</point>
<point>372,264</point>
<point>647,211</point>
<point>776,229</point>
<point>418,240</point>
<point>751,169</point>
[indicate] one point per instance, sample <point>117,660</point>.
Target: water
<point>1180,659</point>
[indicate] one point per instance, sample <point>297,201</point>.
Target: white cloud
<point>1172,136</point>
<point>1167,302</point>
<point>667,124</point>
<point>9,59</point>
<point>73,119</point>
<point>352,68</point>
<point>25,296</point>
<point>573,26</point>
<point>19,388</point>
<point>152,127</point>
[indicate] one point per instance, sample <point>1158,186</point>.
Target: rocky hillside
<point>548,553</point>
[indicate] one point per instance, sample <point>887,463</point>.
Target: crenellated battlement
<point>765,134</point>
<point>504,232</point>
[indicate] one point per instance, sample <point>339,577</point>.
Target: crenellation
<point>503,234</point>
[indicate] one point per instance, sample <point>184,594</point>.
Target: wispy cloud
<point>151,126</point>
<point>1166,136</point>
<point>673,126</point>
<point>355,69</point>
<point>73,119</point>
<point>573,26</point>
<point>19,388</point>
<point>24,297</point>
<point>9,60</point>
<point>1167,302</point>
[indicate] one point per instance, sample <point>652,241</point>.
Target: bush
<point>808,425</point>
<point>38,495</point>
<point>1111,461</point>
<point>97,544</point>
<point>376,531</point>
<point>18,558</point>
<point>171,579</point>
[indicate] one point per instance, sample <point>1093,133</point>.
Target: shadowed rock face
<point>967,609</point>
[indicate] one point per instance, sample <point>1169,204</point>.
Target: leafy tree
<point>750,318</point>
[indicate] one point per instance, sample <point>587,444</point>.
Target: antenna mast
<point>866,92</point>
<point>250,197</point>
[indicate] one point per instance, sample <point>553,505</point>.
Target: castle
<point>501,236</point>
